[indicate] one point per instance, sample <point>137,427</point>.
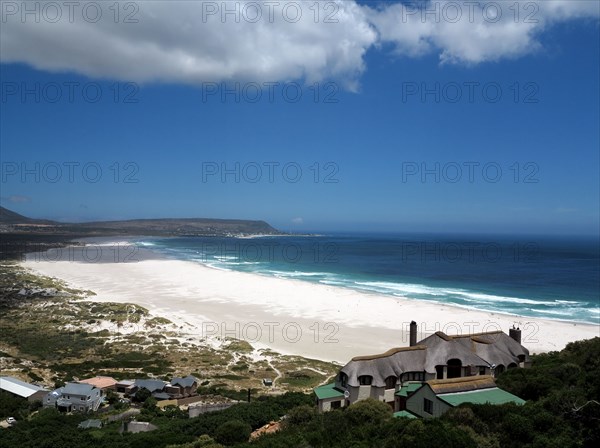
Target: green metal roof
<point>90,424</point>
<point>408,388</point>
<point>328,391</point>
<point>406,414</point>
<point>492,395</point>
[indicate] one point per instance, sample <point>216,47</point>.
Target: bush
<point>368,412</point>
<point>302,415</point>
<point>232,432</point>
<point>142,395</point>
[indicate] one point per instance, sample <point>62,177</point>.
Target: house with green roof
<point>329,397</point>
<point>392,377</point>
<point>436,397</point>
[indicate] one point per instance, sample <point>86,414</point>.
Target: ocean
<point>550,277</point>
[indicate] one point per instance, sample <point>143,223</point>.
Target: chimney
<point>515,333</point>
<point>413,334</point>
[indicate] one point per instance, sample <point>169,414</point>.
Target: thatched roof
<point>494,347</point>
<point>441,348</point>
<point>479,349</point>
<point>463,384</point>
<point>390,352</point>
<point>392,363</point>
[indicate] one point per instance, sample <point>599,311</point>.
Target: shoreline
<point>292,316</point>
<point>471,297</point>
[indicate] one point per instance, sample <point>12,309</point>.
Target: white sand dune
<point>292,316</point>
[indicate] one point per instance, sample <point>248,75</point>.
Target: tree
<point>150,403</point>
<point>302,415</point>
<point>142,395</point>
<point>112,397</point>
<point>232,432</point>
<point>369,412</point>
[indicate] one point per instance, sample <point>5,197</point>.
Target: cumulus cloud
<point>191,42</point>
<point>213,41</point>
<point>470,32</point>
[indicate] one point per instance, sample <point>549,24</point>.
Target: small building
<point>22,389</point>
<point>182,387</point>
<point>155,387</point>
<point>101,382</point>
<point>74,397</point>
<point>87,424</point>
<point>150,385</point>
<point>435,397</point>
<point>125,386</point>
<point>267,382</point>
<point>329,397</point>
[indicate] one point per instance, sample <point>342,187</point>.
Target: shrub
<point>232,432</point>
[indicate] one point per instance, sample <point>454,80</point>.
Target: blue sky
<point>374,141</point>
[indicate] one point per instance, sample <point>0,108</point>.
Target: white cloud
<point>298,221</point>
<point>183,42</point>
<point>465,32</point>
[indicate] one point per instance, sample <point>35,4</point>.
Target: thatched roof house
<point>436,357</point>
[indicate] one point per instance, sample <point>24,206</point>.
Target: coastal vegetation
<point>52,334</point>
<point>565,415</point>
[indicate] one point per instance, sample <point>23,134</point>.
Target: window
<point>413,376</point>
<point>365,380</point>
<point>390,382</point>
<point>482,370</point>
<point>454,368</point>
<point>428,406</point>
<point>343,379</point>
<point>82,398</point>
<point>439,372</point>
<point>336,404</point>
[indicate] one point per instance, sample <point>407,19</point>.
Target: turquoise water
<point>545,277</point>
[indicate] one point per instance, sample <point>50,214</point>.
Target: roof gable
<point>188,381</point>
<point>151,385</point>
<point>77,389</point>
<point>328,391</point>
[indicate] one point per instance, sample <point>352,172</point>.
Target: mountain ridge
<point>11,221</point>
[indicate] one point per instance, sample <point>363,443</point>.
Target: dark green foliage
<point>562,412</point>
<point>13,406</point>
<point>301,416</point>
<point>232,432</point>
<point>370,412</point>
<point>142,395</point>
<point>50,429</point>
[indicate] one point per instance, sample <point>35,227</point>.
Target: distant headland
<point>12,222</point>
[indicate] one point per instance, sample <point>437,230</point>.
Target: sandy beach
<point>291,316</point>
